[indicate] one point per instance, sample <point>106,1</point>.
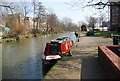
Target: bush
<point>96,30</point>
<point>115,28</point>
<point>35,31</point>
<point>90,33</point>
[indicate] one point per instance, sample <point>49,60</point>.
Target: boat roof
<point>60,40</point>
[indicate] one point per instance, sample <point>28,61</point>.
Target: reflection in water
<point>22,59</point>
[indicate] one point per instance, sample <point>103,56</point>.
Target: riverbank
<point>84,63</point>
<point>22,59</point>
<point>20,37</point>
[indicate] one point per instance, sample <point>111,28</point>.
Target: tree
<point>34,12</point>
<point>67,23</point>
<point>26,8</point>
<point>52,21</point>
<point>91,22</point>
<point>39,12</point>
<point>40,15</point>
<point>101,20</point>
<point>12,16</point>
<point>80,23</point>
<point>97,4</point>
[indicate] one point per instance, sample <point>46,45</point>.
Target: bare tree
<point>68,25</point>
<point>6,8</point>
<point>40,15</point>
<point>26,8</point>
<point>67,22</point>
<point>52,22</point>
<point>80,23</point>
<point>97,4</point>
<point>101,19</point>
<point>34,9</point>
<point>91,22</point>
<point>12,16</point>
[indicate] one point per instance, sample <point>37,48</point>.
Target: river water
<point>22,59</point>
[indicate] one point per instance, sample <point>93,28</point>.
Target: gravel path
<point>84,63</point>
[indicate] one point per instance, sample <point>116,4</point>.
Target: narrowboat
<point>57,48</point>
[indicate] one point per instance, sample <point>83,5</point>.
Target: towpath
<point>84,64</point>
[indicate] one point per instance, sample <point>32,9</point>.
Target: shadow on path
<point>92,69</point>
<point>46,68</point>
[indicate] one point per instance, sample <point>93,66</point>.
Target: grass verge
<point>51,69</point>
<point>8,39</point>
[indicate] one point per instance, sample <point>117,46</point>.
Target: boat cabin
<point>55,49</point>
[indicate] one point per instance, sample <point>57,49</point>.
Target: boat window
<point>53,49</point>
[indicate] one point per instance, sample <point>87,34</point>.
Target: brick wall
<point>110,62</point>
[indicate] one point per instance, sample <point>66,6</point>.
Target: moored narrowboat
<point>55,49</point>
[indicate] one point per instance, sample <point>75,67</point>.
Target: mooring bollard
<point>78,40</point>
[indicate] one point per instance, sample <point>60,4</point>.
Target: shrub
<point>96,30</point>
<point>90,33</point>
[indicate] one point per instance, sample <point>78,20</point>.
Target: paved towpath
<point>84,63</point>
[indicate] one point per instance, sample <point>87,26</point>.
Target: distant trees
<point>97,4</point>
<point>68,25</point>
<point>100,6</point>
<point>26,8</point>
<point>101,19</point>
<point>67,22</point>
<point>40,15</point>
<point>15,15</point>
<point>52,22</point>
<point>11,16</point>
<point>91,22</point>
<point>80,23</point>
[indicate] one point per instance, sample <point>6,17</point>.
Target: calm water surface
<point>22,59</point>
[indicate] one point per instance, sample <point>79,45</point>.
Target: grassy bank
<point>19,37</point>
<point>105,33</point>
<point>8,39</point>
<point>84,32</point>
<point>100,33</point>
<point>115,33</point>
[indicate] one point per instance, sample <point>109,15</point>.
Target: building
<point>19,22</point>
<point>114,15</point>
<point>40,24</point>
<point>18,17</point>
<point>29,22</point>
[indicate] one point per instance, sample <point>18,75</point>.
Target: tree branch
<point>6,6</point>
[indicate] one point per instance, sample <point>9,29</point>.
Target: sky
<point>62,9</point>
